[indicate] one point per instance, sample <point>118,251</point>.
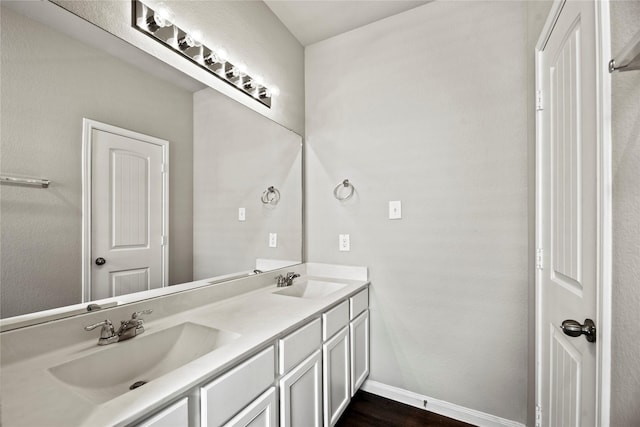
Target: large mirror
<point>73,106</point>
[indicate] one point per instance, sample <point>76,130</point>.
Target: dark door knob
<point>575,329</point>
<point>100,261</point>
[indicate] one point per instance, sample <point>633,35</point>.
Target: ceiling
<point>311,21</point>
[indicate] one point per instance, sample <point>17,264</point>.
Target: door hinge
<point>539,101</point>
<point>540,259</point>
<point>164,240</point>
<point>164,168</point>
<point>538,415</point>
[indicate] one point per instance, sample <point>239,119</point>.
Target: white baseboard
<point>441,407</point>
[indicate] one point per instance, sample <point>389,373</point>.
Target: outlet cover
<point>273,240</point>
<point>395,209</point>
<point>242,214</point>
<point>344,243</point>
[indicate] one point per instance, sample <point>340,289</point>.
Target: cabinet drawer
<point>359,303</point>
<point>295,347</point>
<point>176,415</point>
<point>334,320</point>
<point>228,394</point>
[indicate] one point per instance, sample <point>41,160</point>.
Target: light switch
<point>241,214</point>
<point>273,240</point>
<point>344,243</point>
<point>395,209</point>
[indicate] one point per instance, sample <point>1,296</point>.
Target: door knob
<point>100,261</point>
<point>575,329</point>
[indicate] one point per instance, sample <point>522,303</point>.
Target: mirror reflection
<point>155,179</point>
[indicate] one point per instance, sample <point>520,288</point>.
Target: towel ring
<point>270,196</point>
<point>344,184</point>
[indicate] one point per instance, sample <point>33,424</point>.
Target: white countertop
<point>32,396</point>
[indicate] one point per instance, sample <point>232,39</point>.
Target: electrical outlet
<point>242,214</point>
<point>395,209</point>
<point>344,243</point>
<point>273,240</point>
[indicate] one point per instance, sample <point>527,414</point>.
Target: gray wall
<point>430,107</point>
<point>49,83</point>
<point>625,382</point>
<point>248,30</point>
<point>237,154</point>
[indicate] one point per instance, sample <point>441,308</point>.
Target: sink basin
<point>110,372</point>
<point>311,289</point>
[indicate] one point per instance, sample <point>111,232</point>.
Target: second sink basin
<point>112,371</point>
<point>311,289</point>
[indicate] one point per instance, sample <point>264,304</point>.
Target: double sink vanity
<point>246,352</point>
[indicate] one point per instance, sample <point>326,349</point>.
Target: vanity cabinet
<point>176,415</point>
<point>301,394</point>
<point>306,379</point>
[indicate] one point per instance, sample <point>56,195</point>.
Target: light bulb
<point>222,54</point>
<point>212,58</point>
<point>241,67</point>
<point>275,91</point>
<point>164,17</point>
<point>259,80</point>
<point>195,38</point>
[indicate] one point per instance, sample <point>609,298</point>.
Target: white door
<point>568,223</point>
<point>301,394</point>
<point>128,212</point>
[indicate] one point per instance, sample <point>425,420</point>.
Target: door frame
<point>604,207</point>
<point>88,126</point>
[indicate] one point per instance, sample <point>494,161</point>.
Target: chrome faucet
<point>287,280</point>
<point>128,328</point>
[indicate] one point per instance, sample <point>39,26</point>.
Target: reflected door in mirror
<point>126,218</point>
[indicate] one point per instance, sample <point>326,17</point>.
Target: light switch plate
<point>273,240</point>
<point>344,243</point>
<point>395,209</point>
<point>242,214</point>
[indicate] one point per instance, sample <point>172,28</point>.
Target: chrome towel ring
<point>270,196</point>
<point>347,190</point>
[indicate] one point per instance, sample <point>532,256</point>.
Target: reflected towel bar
<point>629,58</point>
<point>37,182</point>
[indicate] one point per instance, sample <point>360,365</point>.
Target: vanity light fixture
<point>158,22</point>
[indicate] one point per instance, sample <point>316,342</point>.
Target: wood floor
<point>369,410</point>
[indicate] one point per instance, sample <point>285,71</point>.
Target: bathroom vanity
<point>238,353</point>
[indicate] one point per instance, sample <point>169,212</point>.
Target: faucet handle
<point>137,314</point>
<point>107,328</point>
<point>280,280</point>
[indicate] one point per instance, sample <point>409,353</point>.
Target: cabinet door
<point>260,413</point>
<point>301,394</point>
<point>176,415</point>
<point>359,331</point>
<point>335,361</point>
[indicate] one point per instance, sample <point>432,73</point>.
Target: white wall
<point>625,384</point>
<point>49,83</point>
<point>429,107</point>
<point>237,154</point>
<point>248,30</point>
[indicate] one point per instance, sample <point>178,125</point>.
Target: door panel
<point>568,224</point>
<point>130,199</point>
<point>127,188</point>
